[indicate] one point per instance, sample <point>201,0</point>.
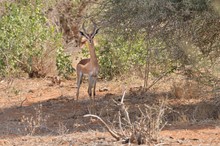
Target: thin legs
<point>79,81</point>
<point>92,84</point>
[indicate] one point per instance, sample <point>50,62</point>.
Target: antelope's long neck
<point>93,57</point>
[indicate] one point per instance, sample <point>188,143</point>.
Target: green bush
<point>28,41</point>
<point>120,55</point>
<point>23,34</point>
<point>63,63</point>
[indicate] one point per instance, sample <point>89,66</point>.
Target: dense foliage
<point>145,37</point>
<point>187,31</point>
<point>28,42</point>
<point>119,55</point>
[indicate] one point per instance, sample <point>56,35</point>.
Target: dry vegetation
<point>175,103</point>
<point>38,112</point>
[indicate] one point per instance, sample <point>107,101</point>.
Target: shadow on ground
<point>63,114</point>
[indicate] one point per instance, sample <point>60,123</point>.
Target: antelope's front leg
<point>94,86</point>
<point>90,86</point>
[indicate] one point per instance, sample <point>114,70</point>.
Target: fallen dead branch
<point>144,130</point>
<point>112,132</point>
<point>22,102</point>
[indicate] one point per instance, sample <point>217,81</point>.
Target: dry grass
<point>59,121</point>
<point>35,122</point>
<point>144,130</point>
<point>188,89</point>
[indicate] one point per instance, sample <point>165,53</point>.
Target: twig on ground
<point>143,131</point>
<point>112,132</point>
<point>23,102</point>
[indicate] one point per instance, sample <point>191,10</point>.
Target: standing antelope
<point>90,65</point>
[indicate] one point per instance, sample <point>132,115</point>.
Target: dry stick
<point>23,102</point>
<point>158,79</point>
<point>120,125</point>
<point>147,68</point>
<point>122,99</point>
<point>122,108</point>
<point>116,135</point>
<point>113,133</point>
<point>161,112</point>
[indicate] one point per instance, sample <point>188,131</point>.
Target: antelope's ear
<point>84,34</point>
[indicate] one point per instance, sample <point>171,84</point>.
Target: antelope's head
<point>89,36</point>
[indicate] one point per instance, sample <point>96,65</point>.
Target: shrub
<point>28,40</point>
<point>63,63</point>
<point>123,55</point>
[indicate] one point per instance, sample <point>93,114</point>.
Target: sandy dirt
<point>38,112</point>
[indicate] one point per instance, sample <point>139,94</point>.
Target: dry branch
<point>22,102</point>
<point>112,132</point>
<point>145,130</point>
<point>158,79</point>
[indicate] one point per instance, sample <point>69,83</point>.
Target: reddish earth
<point>38,112</point>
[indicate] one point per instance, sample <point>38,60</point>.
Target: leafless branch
<point>112,132</point>
<point>158,79</point>
<point>23,102</point>
<point>142,131</point>
<point>120,123</point>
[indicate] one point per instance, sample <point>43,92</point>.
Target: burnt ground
<point>38,112</point>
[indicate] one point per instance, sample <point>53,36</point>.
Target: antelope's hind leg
<point>92,84</point>
<point>79,81</point>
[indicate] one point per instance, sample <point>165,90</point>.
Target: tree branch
<point>113,133</point>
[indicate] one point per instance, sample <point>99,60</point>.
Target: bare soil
<point>38,112</point>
